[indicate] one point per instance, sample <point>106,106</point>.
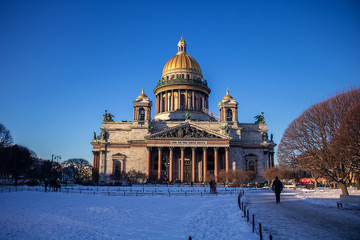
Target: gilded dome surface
<point>142,95</point>
<point>182,60</point>
<point>227,96</point>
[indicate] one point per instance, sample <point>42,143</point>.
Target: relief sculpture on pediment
<point>188,132</point>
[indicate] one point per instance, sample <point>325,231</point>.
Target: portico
<point>194,157</point>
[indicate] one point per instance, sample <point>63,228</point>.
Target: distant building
<point>184,141</point>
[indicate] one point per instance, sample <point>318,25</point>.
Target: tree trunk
<point>343,188</point>
<point>357,180</point>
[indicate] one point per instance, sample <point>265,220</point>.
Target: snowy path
<point>299,219</point>
<point>40,215</point>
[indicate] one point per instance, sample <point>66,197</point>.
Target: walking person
<point>46,183</point>
<point>58,185</point>
<point>277,187</point>
<point>211,185</point>
<point>214,187</point>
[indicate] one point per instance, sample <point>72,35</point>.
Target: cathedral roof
<point>182,60</point>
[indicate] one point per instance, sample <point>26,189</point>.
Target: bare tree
<point>16,161</point>
<point>308,142</point>
<point>79,170</point>
<point>346,144</point>
<point>270,174</point>
<point>5,137</point>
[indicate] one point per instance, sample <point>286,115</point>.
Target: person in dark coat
<point>211,185</point>
<point>277,187</point>
<point>46,183</point>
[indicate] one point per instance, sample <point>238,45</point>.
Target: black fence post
<point>245,211</point>
<point>253,223</point>
<point>270,237</point>
<point>261,237</point>
<point>248,215</point>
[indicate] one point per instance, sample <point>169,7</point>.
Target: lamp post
<point>55,158</point>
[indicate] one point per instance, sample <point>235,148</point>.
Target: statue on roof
<point>108,117</point>
<point>260,118</point>
<point>226,128</point>
<point>187,116</point>
<point>265,137</point>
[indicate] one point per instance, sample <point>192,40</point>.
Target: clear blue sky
<point>62,63</point>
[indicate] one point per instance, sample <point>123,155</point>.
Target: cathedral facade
<point>184,141</point>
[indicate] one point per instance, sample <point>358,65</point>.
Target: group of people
<point>55,185</point>
<point>212,185</point>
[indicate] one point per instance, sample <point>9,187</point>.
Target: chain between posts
<point>246,215</point>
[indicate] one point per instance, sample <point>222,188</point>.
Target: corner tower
<point>182,89</point>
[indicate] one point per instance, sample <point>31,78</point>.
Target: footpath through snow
<point>304,214</point>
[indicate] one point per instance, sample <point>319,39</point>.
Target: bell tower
<point>228,109</point>
<point>142,108</point>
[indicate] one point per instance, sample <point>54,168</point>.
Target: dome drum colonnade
<point>182,87</point>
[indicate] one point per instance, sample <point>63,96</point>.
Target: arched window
<point>163,104</point>
<point>234,166</point>
<point>182,102</point>
<point>117,169</point>
<point>251,166</point>
<point>142,114</point>
<point>229,115</point>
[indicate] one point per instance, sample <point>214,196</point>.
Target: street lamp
<point>55,157</point>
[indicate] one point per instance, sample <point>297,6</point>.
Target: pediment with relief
<point>187,131</point>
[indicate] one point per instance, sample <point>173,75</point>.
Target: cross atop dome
<point>181,46</point>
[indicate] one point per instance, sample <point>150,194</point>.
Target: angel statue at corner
<point>260,118</point>
<point>108,117</point>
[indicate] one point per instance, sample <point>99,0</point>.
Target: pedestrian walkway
<point>296,218</point>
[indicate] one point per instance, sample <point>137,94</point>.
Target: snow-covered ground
<point>54,215</point>
<point>175,212</point>
<point>305,214</point>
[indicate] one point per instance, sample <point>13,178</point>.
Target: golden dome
<point>182,60</point>
<point>227,97</point>
<point>142,95</point>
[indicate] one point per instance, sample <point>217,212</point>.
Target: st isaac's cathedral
<point>184,141</point>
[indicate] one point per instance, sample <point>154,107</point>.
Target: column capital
<point>149,148</point>
<point>159,148</point>
<point>216,148</point>
<point>205,148</point>
<point>171,148</point>
<point>193,148</point>
<point>227,149</point>
<point>182,148</point>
